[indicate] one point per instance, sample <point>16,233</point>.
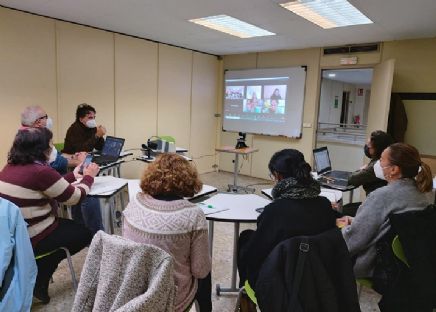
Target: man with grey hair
<point>36,117</point>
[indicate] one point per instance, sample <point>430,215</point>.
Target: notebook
<point>111,151</point>
<point>326,176</point>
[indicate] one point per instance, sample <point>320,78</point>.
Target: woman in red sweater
<point>29,182</point>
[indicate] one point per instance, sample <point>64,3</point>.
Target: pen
<point>208,206</point>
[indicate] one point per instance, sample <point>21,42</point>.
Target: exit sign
<point>351,60</point>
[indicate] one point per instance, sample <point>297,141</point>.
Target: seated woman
<point>296,209</point>
<point>409,179</point>
<point>29,182</point>
<point>161,217</point>
<point>373,149</point>
<point>365,176</point>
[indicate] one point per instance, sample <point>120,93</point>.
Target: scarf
<point>290,188</point>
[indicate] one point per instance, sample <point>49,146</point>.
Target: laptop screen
<point>112,146</point>
<point>322,160</point>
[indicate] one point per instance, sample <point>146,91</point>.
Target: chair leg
<point>197,306</point>
<point>70,264</point>
<point>238,300</point>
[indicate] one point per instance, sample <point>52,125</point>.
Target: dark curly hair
<point>83,110</point>
<point>171,174</point>
<point>291,163</point>
<point>380,140</point>
<point>30,145</point>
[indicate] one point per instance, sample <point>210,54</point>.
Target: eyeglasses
<point>42,117</point>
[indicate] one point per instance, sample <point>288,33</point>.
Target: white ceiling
<point>166,21</point>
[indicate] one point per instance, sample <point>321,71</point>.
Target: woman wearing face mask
<point>377,142</point>
<point>84,134</point>
<point>365,176</point>
<point>29,182</point>
<point>409,179</point>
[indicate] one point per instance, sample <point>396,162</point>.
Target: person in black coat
<point>296,209</point>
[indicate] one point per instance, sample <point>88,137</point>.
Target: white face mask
<point>53,155</point>
<point>49,123</point>
<point>378,170</point>
<point>91,123</point>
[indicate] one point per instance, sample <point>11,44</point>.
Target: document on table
<point>222,202</point>
<point>106,184</point>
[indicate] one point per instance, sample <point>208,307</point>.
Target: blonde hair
<point>171,174</point>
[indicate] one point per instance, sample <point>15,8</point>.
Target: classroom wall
<point>415,69</point>
<point>139,88</point>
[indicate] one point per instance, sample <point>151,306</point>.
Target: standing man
<point>36,117</point>
<point>84,134</point>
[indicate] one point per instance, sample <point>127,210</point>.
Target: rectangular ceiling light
<point>327,13</point>
<point>231,26</point>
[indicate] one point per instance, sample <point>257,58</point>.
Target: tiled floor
<point>61,290</point>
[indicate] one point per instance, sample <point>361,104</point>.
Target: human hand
<point>76,173</point>
<point>101,131</point>
<point>92,170</point>
<point>344,221</point>
<point>80,156</point>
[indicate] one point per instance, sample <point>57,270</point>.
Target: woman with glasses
<point>408,181</point>
<point>296,209</point>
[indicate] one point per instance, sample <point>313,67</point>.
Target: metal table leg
<point>233,287</point>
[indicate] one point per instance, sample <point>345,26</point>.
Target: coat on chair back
<point>121,275</point>
<point>327,281</point>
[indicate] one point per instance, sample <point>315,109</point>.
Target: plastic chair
<point>250,293</point>
<point>70,263</point>
<point>398,251</point>
<point>167,138</point>
<point>59,146</point>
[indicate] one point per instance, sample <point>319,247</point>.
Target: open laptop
<point>326,176</point>
<point>111,151</point>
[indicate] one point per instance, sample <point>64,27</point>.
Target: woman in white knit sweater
<point>160,216</point>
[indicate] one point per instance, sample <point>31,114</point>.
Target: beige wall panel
<point>85,73</point>
<point>421,132</point>
<point>174,94</point>
<point>363,59</point>
<point>203,109</point>
<point>415,64</point>
<point>135,94</point>
<point>28,70</point>
<point>240,61</point>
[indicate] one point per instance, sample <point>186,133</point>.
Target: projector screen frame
<point>293,108</point>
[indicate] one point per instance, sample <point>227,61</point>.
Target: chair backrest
<point>397,248</point>
<point>113,260</point>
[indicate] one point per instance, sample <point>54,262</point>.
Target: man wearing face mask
<point>36,117</point>
<point>84,134</point>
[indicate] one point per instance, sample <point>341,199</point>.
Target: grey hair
<point>30,114</point>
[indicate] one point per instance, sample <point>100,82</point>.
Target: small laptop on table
<point>111,151</point>
<point>326,176</point>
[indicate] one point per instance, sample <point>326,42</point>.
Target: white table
<point>238,209</point>
<point>106,188</point>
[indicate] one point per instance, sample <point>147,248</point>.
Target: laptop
<point>326,176</point>
<point>111,151</point>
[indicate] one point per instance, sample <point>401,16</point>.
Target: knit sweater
<point>372,220</point>
<point>178,227</point>
<point>80,138</point>
<point>36,188</point>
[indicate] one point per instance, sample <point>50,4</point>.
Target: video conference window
<point>264,101</point>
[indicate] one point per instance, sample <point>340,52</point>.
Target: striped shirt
<point>36,189</point>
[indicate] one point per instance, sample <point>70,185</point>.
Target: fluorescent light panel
<point>328,13</point>
<point>231,26</point>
